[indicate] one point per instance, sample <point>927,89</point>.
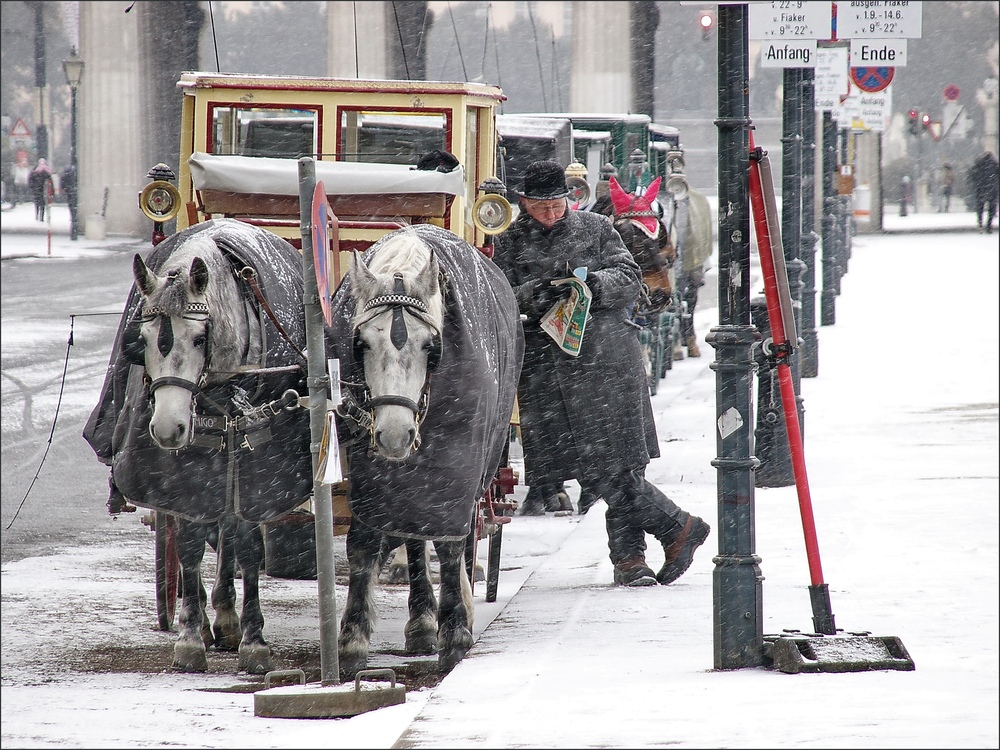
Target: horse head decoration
<point>397,334</point>
<point>645,236</point>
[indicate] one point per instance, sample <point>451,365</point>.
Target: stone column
<point>356,34</point>
<point>602,59</point>
<point>110,109</point>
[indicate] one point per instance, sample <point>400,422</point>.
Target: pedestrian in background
<point>67,183</point>
<point>985,175</point>
<point>588,417</point>
<point>39,182</point>
<point>947,186</point>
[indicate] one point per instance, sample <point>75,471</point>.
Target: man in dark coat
<point>985,177</point>
<point>588,417</point>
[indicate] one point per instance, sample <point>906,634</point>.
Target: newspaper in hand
<point>566,321</point>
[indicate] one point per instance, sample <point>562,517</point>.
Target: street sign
<point>872,79</point>
<point>951,92</point>
<point>867,53</point>
<point>880,20</point>
<point>321,249</point>
<point>831,78</point>
<point>789,20</point>
<point>20,130</point>
<point>791,53</point>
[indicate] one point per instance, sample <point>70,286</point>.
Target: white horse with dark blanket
<point>198,416</point>
<point>430,343</point>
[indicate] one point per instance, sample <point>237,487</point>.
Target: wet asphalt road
<point>43,300</point>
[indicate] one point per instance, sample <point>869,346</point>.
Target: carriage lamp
<point>491,212</point>
<point>579,188</point>
<point>160,200</point>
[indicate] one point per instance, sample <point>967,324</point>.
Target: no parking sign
<point>320,243</point>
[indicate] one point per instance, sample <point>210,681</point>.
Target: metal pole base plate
<point>317,701</point>
<point>794,652</point>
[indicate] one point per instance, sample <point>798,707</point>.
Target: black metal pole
<point>828,298</point>
<point>771,436</point>
<point>72,193</point>
<point>808,355</point>
<point>737,608</point>
<point>41,130</point>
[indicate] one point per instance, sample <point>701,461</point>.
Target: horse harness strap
<point>217,432</point>
<point>249,275</point>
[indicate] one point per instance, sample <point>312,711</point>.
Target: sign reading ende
<point>832,80</point>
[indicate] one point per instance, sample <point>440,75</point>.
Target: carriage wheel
<point>655,353</point>
<point>493,567</point>
<point>168,569</point>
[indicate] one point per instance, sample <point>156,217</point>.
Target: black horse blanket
<point>432,494</point>
<point>259,469</point>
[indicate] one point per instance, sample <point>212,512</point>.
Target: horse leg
<point>358,621</point>
<point>255,655</point>
<point>421,628</point>
<point>189,650</point>
<point>456,613</point>
<point>392,563</point>
<point>227,623</point>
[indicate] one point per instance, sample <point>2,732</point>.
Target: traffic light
<point>706,19</point>
<point>914,117</point>
<point>925,120</point>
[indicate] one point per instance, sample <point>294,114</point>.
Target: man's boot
<point>678,552</point>
<point>692,346</point>
<point>563,501</point>
<point>627,547</point>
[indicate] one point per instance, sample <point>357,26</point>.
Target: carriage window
<point>264,131</point>
<point>390,137</point>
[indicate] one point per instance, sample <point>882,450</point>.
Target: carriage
<point>390,154</point>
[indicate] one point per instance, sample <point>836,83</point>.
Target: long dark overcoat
<point>586,417</point>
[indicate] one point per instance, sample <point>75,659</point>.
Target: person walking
<point>947,186</point>
<point>588,417</point>
<point>39,182</point>
<point>985,176</point>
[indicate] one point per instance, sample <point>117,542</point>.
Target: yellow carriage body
<point>366,136</point>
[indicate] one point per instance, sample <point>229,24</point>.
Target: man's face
<point>547,212</point>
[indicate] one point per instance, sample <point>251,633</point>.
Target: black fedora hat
<point>544,180</point>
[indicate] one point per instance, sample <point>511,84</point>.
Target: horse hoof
<point>349,667</point>
<point>449,658</point>
<point>420,644</point>
<point>255,659</point>
<point>189,657</point>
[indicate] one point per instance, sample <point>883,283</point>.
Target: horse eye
<point>200,341</point>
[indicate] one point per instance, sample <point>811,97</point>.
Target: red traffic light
<point>706,19</point>
<point>913,114</point>
<point>926,120</point>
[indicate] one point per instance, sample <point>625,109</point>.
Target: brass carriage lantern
<point>160,200</point>
<point>492,212</point>
<point>579,188</point>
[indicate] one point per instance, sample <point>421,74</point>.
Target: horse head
<point>173,333</point>
<point>399,313</point>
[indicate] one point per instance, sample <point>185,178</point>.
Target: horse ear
<point>198,276</point>
<point>427,279</point>
<point>144,278</point>
<point>619,198</point>
<point>653,189</point>
<point>362,280</point>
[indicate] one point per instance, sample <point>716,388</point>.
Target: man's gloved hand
<point>547,294</point>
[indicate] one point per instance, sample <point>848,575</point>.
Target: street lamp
<point>73,68</point>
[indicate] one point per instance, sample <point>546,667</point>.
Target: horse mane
<point>229,329</point>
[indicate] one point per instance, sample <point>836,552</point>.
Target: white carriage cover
<point>253,174</point>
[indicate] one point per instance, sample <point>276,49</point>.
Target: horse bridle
<point>363,410</point>
<point>165,338</point>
